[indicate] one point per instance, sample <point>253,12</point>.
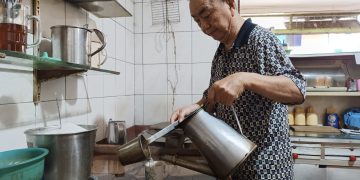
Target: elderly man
<point>252,72</point>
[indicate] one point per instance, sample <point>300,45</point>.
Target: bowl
<point>27,163</point>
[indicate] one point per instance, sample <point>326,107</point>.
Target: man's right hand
<point>180,113</point>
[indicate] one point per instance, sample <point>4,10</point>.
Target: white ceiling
<point>298,6</point>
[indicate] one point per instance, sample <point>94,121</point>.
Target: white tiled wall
<point>160,71</point>
<point>87,98</point>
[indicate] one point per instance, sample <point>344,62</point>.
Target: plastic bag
<point>352,118</point>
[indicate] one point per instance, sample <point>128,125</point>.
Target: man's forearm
<point>277,88</point>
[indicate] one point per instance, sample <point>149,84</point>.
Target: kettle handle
<point>204,106</point>
<point>103,42</point>
<point>237,120</point>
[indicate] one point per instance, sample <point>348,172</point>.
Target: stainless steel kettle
<point>224,148</point>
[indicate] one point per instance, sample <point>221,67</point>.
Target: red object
<point>296,156</point>
<point>352,158</point>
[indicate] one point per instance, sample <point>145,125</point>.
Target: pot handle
<point>38,31</point>
<point>103,42</point>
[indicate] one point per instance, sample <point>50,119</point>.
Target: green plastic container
<point>19,164</point>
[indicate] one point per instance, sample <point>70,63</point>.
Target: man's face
<point>213,17</point>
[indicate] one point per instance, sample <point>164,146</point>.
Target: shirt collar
<point>244,33</point>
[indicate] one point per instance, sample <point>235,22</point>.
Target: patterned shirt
<point>263,121</point>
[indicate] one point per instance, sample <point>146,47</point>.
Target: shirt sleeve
<point>275,62</point>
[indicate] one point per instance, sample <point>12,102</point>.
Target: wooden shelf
<point>332,93</point>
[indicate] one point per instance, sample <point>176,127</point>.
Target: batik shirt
<point>263,121</point>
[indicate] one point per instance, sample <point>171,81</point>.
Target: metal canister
<point>72,44</point>
<point>116,132</point>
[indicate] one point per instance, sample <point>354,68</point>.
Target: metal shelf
<point>343,56</point>
<point>45,68</point>
<point>332,93</point>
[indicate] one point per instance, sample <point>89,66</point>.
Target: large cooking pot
<point>72,44</point>
<point>70,155</point>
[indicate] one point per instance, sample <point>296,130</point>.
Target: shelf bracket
<point>41,76</point>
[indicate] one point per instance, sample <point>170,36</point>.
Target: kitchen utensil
<point>134,151</point>
<point>72,44</point>
<point>70,154</point>
<point>223,147</point>
<point>116,132</point>
<point>166,130</point>
<point>162,132</point>
<point>21,163</point>
<point>14,21</point>
<point>137,149</point>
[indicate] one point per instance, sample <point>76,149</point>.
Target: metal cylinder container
<point>72,44</point>
<point>134,151</point>
<point>70,155</point>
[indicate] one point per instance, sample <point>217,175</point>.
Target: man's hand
<point>227,90</point>
<point>179,114</point>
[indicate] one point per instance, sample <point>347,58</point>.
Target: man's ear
<point>231,3</point>
<point>232,7</point>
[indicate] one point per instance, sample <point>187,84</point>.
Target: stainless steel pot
<point>223,147</point>
<point>72,44</point>
<point>70,155</point>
